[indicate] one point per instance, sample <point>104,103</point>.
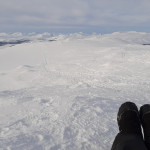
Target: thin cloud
<point>73,13</point>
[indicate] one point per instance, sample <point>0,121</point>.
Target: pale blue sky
<point>74,15</point>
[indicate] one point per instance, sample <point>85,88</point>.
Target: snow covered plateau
<point>62,92</point>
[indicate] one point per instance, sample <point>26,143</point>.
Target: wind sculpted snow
<point>65,94</point>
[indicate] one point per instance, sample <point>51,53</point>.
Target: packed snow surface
<point>62,92</point>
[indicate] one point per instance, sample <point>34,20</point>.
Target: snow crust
<point>62,92</point>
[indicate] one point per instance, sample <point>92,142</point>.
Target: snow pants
<point>126,141</point>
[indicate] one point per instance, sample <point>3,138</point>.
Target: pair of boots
<point>129,121</point>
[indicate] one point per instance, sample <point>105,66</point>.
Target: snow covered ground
<point>63,92</point>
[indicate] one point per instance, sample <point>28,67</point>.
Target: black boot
<point>128,119</point>
<point>130,136</point>
<point>145,119</point>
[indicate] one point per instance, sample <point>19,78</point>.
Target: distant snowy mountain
<point>127,37</point>
<point>62,92</point>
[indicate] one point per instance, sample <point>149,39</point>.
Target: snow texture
<point>62,92</point>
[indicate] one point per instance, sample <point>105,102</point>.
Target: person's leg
<point>145,119</point>
<point>130,135</point>
<point>126,141</point>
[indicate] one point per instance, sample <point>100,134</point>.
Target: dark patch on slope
<point>146,44</point>
<point>3,43</point>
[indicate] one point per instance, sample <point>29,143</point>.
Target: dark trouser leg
<point>145,119</point>
<point>126,141</point>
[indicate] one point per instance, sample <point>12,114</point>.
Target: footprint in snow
<point>70,133</point>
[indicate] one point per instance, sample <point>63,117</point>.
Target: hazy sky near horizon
<point>74,15</point>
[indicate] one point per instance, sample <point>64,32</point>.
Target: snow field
<point>65,94</point>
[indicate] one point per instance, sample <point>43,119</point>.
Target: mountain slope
<point>65,94</point>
